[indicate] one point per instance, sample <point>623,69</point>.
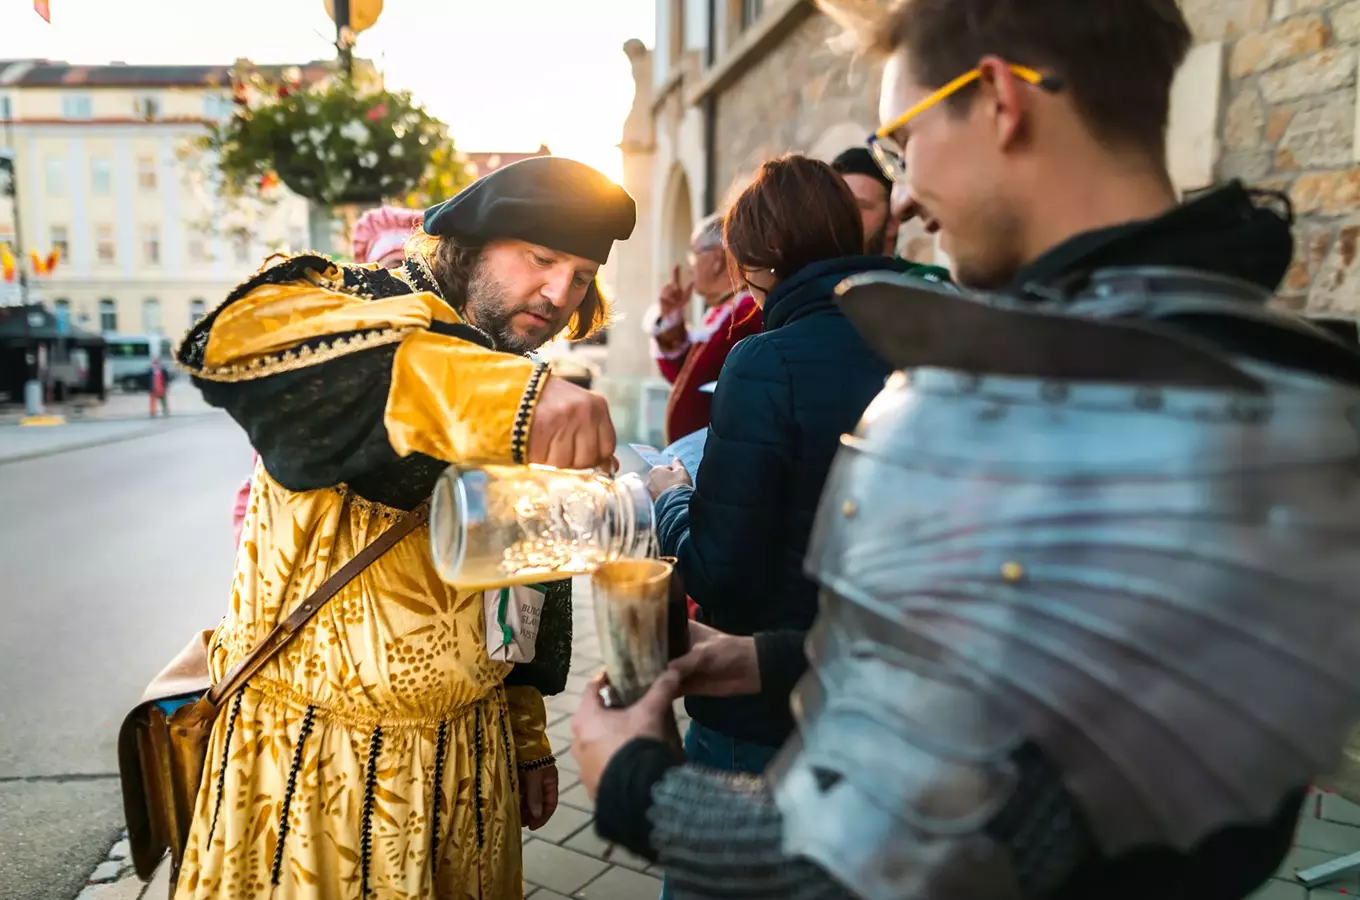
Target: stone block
<point>545,894</point>
<point>565,821</point>
<point>1333,193</point>
<point>120,850</point>
<point>1312,243</point>
<point>1302,858</point>
<point>107,870</point>
<point>578,798</point>
<point>1276,889</point>
<point>1346,21</point>
<point>1320,134</point>
<point>1212,20</point>
<point>1245,125</point>
<point>559,869</point>
<point>1291,39</point>
<point>129,888</point>
<point>1336,808</point>
<point>1277,123</point>
<point>1251,166</point>
<point>620,884</point>
<point>1283,9</point>
<point>588,842</point>
<point>1326,71</point>
<point>1329,837</point>
<point>1336,288</point>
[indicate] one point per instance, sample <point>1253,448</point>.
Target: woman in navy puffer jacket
<point>783,400</point>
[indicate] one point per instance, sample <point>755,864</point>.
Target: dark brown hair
<point>452,265</point>
<point>1117,58</point>
<point>795,211</point>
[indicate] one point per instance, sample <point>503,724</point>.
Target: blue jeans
<point>706,747</point>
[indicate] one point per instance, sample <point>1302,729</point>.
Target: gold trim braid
<point>302,357</point>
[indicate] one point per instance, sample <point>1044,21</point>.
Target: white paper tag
<point>512,616</point>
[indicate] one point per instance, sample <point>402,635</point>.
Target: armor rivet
<point>1053,392</point>
<point>849,509</point>
<point>1012,572</point>
<point>1148,398</point>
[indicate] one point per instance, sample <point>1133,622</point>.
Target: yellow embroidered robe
<point>376,755</point>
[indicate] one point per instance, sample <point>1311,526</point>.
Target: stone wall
<point>789,98</point>
<point>1288,122</point>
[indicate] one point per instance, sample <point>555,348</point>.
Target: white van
<point>129,359</point>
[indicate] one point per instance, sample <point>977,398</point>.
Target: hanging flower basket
<point>335,143</point>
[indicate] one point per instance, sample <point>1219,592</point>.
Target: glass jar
<point>497,525</point>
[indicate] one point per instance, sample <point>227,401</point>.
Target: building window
<point>151,244</point>
<point>62,307</point>
<point>241,249</point>
<point>147,106</point>
<point>217,107</point>
<point>101,176</point>
<point>60,241</point>
<point>198,250</point>
<point>55,172</point>
<point>146,173</point>
<point>104,248</point>
<point>77,106</point>
<point>750,11</point>
<point>151,315</point>
<point>197,310</point>
<point>6,108</point>
<point>108,316</point>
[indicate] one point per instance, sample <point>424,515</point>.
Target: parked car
<point>129,360</point>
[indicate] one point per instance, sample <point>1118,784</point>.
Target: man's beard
<point>489,310</point>
<point>876,245</point>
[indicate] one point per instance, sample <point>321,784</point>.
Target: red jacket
<point>689,359</point>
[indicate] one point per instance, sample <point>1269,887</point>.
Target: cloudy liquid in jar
<point>540,527</point>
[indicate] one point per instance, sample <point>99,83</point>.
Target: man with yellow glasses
<point>1082,564</point>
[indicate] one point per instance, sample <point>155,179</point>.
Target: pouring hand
<point>570,428</point>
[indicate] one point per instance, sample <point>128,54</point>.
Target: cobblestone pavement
<point>565,858</point>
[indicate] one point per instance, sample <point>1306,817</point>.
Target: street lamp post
<point>344,37</point>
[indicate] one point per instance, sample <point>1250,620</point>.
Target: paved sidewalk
<point>184,400</point>
<point>563,859</point>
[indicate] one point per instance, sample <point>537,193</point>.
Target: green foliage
<point>337,142</point>
<point>448,173</point>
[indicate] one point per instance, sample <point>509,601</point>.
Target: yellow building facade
<point>102,178</point>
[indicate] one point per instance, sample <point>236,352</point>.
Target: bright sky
<point>504,74</point>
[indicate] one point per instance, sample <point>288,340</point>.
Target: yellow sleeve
<point>330,384</point>
<point>528,724</point>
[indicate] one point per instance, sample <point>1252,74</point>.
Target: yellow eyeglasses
<point>889,157</point>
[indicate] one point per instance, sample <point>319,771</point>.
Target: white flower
<point>356,132</point>
<point>317,135</point>
<point>369,160</point>
<point>397,151</point>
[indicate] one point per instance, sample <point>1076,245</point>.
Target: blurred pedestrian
<point>690,358</point>
<point>158,389</point>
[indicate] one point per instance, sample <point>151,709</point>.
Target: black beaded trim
<point>509,753</point>
<point>226,754</point>
<point>441,746</point>
<point>519,436</point>
<point>284,826</point>
<point>477,775</point>
<point>366,826</point>
<point>537,764</point>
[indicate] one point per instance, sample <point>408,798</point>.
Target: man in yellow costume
<point>383,753</point>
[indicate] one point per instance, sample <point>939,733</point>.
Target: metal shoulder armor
<point>1077,529</point>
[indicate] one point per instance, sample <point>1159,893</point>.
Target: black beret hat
<point>859,161</point>
<point>555,202</point>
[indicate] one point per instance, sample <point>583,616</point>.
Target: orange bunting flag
<point>52,259</point>
<point>37,261</point>
<point>43,10</point>
<point>7,267</point>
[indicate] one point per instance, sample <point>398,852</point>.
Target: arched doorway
<point>677,223</point>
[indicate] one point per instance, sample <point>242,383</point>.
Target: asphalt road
<point>111,556</point>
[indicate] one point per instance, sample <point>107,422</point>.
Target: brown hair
<point>452,265</point>
<point>795,211</point>
<point>1117,58</point>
